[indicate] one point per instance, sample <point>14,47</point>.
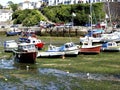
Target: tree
<point>63,13</point>
<point>10,2</point>
<point>27,17</point>
<point>14,7</point>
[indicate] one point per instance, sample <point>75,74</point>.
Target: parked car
<point>69,24</point>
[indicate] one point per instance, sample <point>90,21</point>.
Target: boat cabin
<point>68,46</point>
<point>10,45</point>
<point>34,40</point>
<point>109,44</point>
<point>26,47</point>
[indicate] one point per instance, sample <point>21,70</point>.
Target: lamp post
<point>73,15</point>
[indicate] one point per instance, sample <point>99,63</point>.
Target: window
<point>33,41</point>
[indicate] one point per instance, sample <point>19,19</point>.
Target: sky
<point>4,2</point>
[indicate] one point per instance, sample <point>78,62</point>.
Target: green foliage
<point>27,17</point>
<point>14,7</point>
<point>58,13</point>
<point>63,13</point>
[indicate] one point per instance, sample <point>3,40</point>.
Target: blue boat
<point>13,31</point>
<point>94,32</point>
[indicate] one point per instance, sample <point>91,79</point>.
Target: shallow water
<point>7,64</point>
<point>59,73</point>
<point>30,77</point>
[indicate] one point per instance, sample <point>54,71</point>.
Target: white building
<point>31,5</point>
<point>65,2</point>
<point>5,15</point>
<point>27,5</point>
<point>38,4</point>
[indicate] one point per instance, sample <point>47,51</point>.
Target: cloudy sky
<point>4,2</point>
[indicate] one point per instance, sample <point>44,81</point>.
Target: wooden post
<point>63,32</point>
<point>69,31</point>
<point>76,31</point>
<point>57,32</point>
<point>50,32</point>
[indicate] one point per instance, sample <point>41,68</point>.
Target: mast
<point>91,16</point>
<point>109,14</point>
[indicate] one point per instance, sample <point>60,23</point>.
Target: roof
<point>5,11</point>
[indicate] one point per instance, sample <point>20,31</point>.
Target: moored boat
<point>13,31</point>
<point>48,54</point>
<point>94,35</point>
<point>115,36</point>
<point>68,49</point>
<point>88,48</point>
<point>110,47</point>
<point>26,53</point>
<point>9,45</point>
<point>33,40</point>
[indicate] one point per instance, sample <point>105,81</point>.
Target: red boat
<point>38,43</point>
<point>26,53</point>
<point>33,40</point>
<point>88,48</point>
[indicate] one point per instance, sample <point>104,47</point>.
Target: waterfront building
<point>5,15</point>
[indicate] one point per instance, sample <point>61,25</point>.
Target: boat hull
<point>12,33</point>
<point>91,50</point>
<point>71,52</point>
<point>110,49</point>
<point>25,57</point>
<point>50,54</point>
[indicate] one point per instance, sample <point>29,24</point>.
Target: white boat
<point>26,53</point>
<point>93,39</point>
<point>110,47</point>
<point>53,51</point>
<point>102,37</point>
<point>9,45</point>
<point>68,49</point>
<point>50,54</point>
<point>94,35</point>
<point>115,36</point>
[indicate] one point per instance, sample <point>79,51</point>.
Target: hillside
<point>63,13</point>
